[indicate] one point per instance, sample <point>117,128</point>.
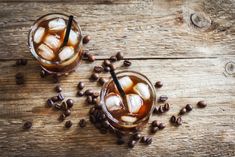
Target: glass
<point>56,66</point>
<point>142,115</point>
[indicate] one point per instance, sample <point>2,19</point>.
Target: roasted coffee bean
<point>54,98</point>
<point>62,117</point>
<point>102,81</point>
<point>50,103</point>
<point>58,89</point>
<point>163,98</point>
<point>88,92</point>
<point>155,123</point>
<point>57,106</point>
<point>85,53</point>
<point>131,143</point>
<point>126,63</point>
<point>148,141</point>
<point>60,97</point>
<point>158,84</point>
<point>112,67</point>
<point>166,107</point>
<point>119,134</point>
<point>80,85</point>
<point>143,139</point>
<point>107,69</point>
<point>67,112</point>
<point>173,119</point>
<point>161,126</point>
<point>120,141</point>
<point>189,107</point>
<point>94,77</point>
<point>27,125</point>
<point>136,136</point>
<point>98,107</point>
<point>106,63</point>
<point>91,58</point>
<point>86,39</point>
<point>182,111</point>
<point>105,124</point>
<point>154,129</point>
<point>80,93</point>
<point>43,73</point>
<point>119,56</point>
<point>201,104</point>
<point>92,119</point>
<point>161,109</point>
<point>92,110</point>
<point>103,131</point>
<point>94,100</point>
<point>64,106</point>
<point>82,123</point>
<point>95,94</point>
<point>89,99</point>
<point>21,62</point>
<point>69,103</point>
<point>102,116</point>
<point>113,58</point>
<point>179,121</point>
<point>155,110</point>
<point>98,69</point>
<point>68,124</point>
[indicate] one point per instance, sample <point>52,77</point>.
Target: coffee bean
<point>92,110</point>
<point>179,121</point>
<point>155,110</point>
<point>95,94</point>
<point>154,129</point>
<point>119,134</point>
<point>189,107</point>
<point>113,58</point>
<point>166,107</point>
<point>82,123</point>
<point>161,126</point>
<point>68,124</point>
<point>62,117</point>
<point>69,103</point>
<point>120,141</point>
<point>201,104</point>
<point>155,123</point>
<point>92,119</point>
<point>88,92</point>
<point>54,98</point>
<point>43,73</point>
<point>131,143</point>
<point>94,100</point>
<point>57,106</point>
<point>86,39</point>
<point>60,97</point>
<point>98,69</point>
<point>27,125</point>
<point>107,69</point>
<point>119,56</point>
<point>85,53</point>
<point>126,63</point>
<point>91,58</point>
<point>58,89</point>
<point>136,136</point>
<point>94,77</point>
<point>163,98</point>
<point>106,63</point>
<point>182,111</point>
<point>103,131</point>
<point>50,103</point>
<point>148,141</point>
<point>158,84</point>
<point>64,106</point>
<point>89,99</point>
<point>21,62</point>
<point>98,107</point>
<point>80,85</point>
<point>105,124</point>
<point>80,93</point>
<point>102,81</point>
<point>160,109</point>
<point>173,119</point>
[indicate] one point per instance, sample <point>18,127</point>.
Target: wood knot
<point>200,21</point>
<point>230,68</point>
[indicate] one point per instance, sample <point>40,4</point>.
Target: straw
<point>113,74</point>
<point>69,25</point>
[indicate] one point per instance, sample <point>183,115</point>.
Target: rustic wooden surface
<point>162,43</point>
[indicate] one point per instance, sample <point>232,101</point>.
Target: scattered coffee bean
<point>54,98</point>
<point>21,62</point>
<point>126,63</point>
<point>131,143</point>
<point>148,141</point>
<point>92,119</point>
<point>201,104</point>
<point>68,124</point>
<point>155,123</point>
<point>94,100</point>
<point>98,69</point>
<point>120,141</point>
<point>92,109</point>
<point>69,103</point>
<point>158,84</point>
<point>106,63</point>
<point>80,93</point>
<point>189,107</point>
<point>166,107</point>
<point>105,124</point>
<point>85,53</point>
<point>113,58</point>
<point>86,39</point>
<point>173,119</point>
<point>88,92</point>
<point>154,129</point>
<point>161,109</point>
<point>163,98</point>
<point>64,106</point>
<point>143,139</point>
<point>89,99</point>
<point>107,69</point>
<point>179,121</point>
<point>60,97</point>
<point>91,58</point>
<point>95,94</point>
<point>119,56</point>
<point>62,117</point>
<point>182,111</point>
<point>27,125</point>
<point>94,77</point>
<point>80,85</point>
<point>161,126</point>
<point>155,110</point>
<point>58,89</point>
<point>57,106</point>
<point>82,123</point>
<point>136,136</point>
<point>50,103</point>
<point>43,73</point>
<point>102,81</point>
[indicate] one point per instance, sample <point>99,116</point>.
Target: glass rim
<point>34,27</point>
<point>108,114</point>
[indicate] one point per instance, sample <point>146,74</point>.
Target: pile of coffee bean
<point>156,125</point>
<point>186,109</point>
<point>176,120</point>
<point>161,109</point>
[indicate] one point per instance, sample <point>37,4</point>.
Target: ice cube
<point>38,35</point>
<point>45,52</point>
<point>57,24</point>
<point>73,37</point>
<point>66,53</point>
<point>113,102</point>
<point>126,83</point>
<point>134,103</point>
<point>129,119</point>
<point>52,42</point>
<point>143,90</point>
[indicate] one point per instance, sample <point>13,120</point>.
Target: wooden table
<point>162,43</point>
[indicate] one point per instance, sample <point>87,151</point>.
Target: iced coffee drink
<point>45,42</point>
<point>134,112</point>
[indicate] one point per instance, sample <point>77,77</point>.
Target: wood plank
<point>209,131</point>
<point>148,29</point>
